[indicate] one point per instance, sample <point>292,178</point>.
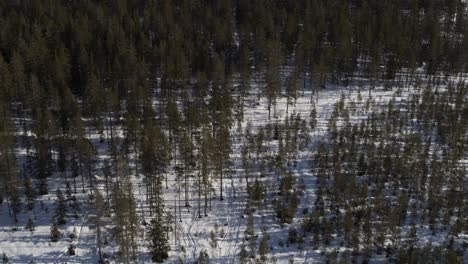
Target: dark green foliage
<point>263,247</point>
<point>30,225</point>
<point>55,234</point>
<point>391,178</point>
<point>30,194</point>
<point>287,201</point>
<point>15,200</point>
<point>313,119</point>
<point>5,258</point>
<point>71,250</point>
<point>174,75</point>
<point>257,192</point>
<point>203,257</point>
<point>126,219</point>
<point>159,245</point>
<point>61,208</point>
<point>292,235</point>
<point>74,206</point>
<point>243,254</point>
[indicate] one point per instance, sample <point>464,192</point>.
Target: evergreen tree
<point>61,208</point>
<point>291,91</point>
<point>15,201</point>
<point>203,257</point>
<point>99,207</point>
<point>159,245</point>
<point>221,155</point>
<point>30,225</point>
<point>55,234</point>
<point>263,247</point>
<point>313,118</point>
<point>243,254</point>
<point>71,250</point>
<point>126,221</point>
<point>160,85</point>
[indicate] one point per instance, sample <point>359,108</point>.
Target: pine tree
<point>99,207</point>
<point>186,148</point>
<point>8,173</point>
<point>30,225</point>
<point>61,208</point>
<point>74,171</point>
<point>71,250</point>
<point>348,224</point>
<point>154,157</point>
<point>249,233</point>
<point>263,247</point>
<point>44,129</point>
<point>203,257</point>
<point>54,232</point>
<point>15,201</point>
<point>126,220</point>
<point>243,255</point>
<point>313,119</point>
<point>159,245</point>
<point>291,91</point>
<point>273,87</point>
<point>221,155</point>
<point>213,240</point>
<point>74,206</point>
<point>106,170</point>
<point>205,169</point>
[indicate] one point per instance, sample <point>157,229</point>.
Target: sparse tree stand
<point>135,69</point>
<point>205,168</point>
<point>99,207</point>
<point>8,175</point>
<point>159,225</point>
<point>186,149</point>
<point>273,85</point>
<point>221,155</point>
<point>126,221</point>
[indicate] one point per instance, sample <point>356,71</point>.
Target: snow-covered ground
<point>226,219</point>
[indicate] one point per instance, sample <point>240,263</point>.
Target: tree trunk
<point>221,183</point>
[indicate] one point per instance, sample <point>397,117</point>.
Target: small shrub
<point>71,250</point>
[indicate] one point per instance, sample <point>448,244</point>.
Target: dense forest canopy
<point>139,88</point>
<point>74,50</point>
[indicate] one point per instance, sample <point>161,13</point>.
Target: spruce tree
<point>126,221</point>
<point>263,247</point>
<point>99,208</point>
<point>30,225</point>
<point>61,208</point>
<point>159,245</point>
<point>203,257</point>
<point>55,234</point>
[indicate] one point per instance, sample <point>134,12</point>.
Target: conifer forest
<point>234,131</point>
